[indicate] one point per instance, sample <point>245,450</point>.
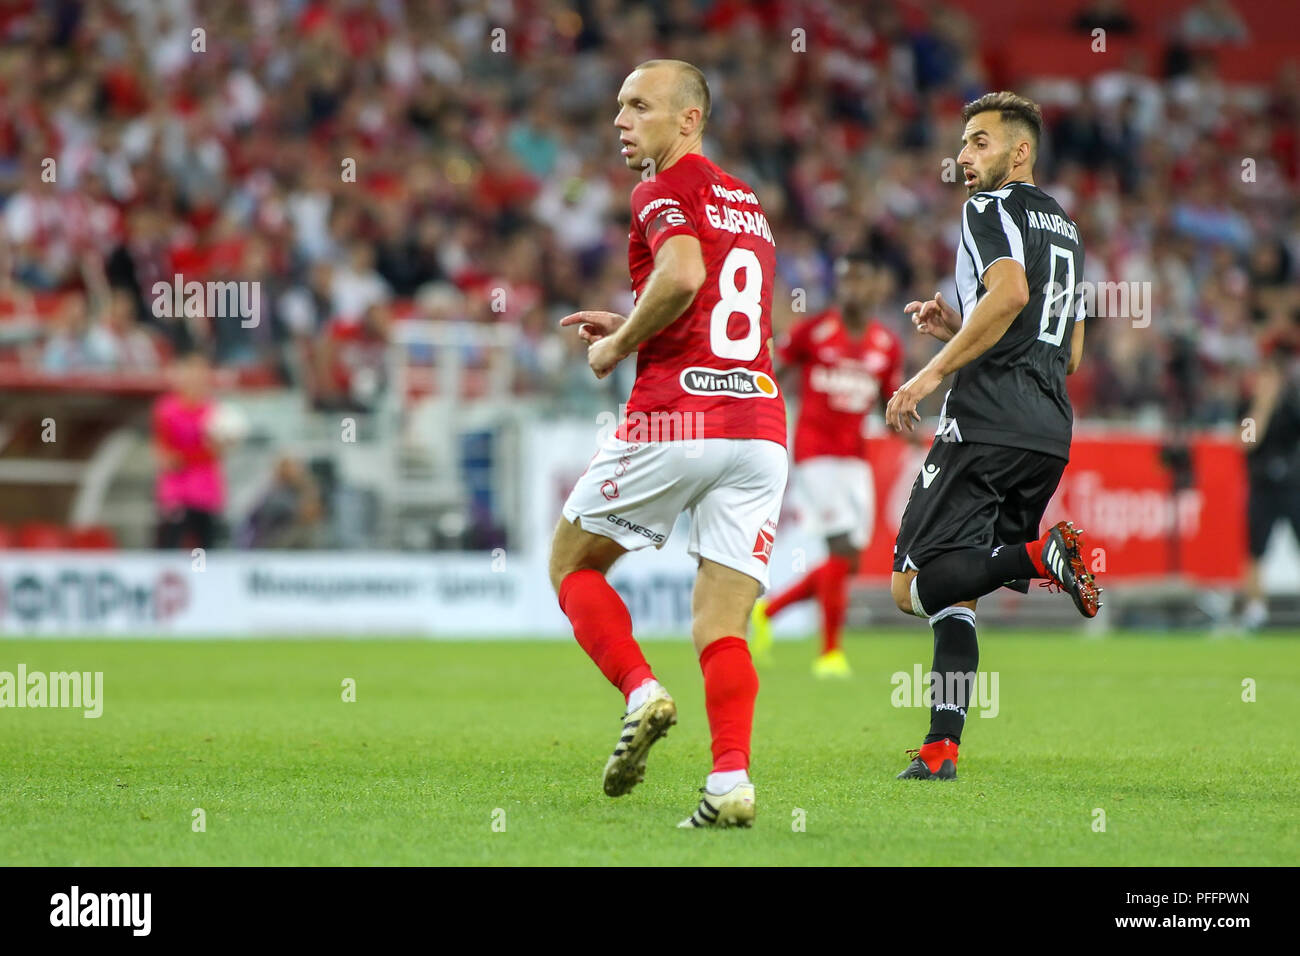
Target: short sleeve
<point>658,214</point>
<point>991,233</point>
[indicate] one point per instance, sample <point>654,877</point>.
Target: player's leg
<point>833,596</point>
<point>849,527</point>
<point>720,609</point>
<point>601,622</point>
<point>628,497</point>
<point>1022,480</point>
<point>952,505</point>
<point>733,526</point>
<point>1024,495</point>
<point>952,682</point>
<point>171,528</point>
<point>839,501</point>
<point>1263,509</point>
<point>811,476</point>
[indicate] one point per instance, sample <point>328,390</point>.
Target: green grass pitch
<point>491,753</point>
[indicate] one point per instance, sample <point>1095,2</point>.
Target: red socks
<point>801,590</point>
<point>828,583</point>
<point>603,628</point>
<point>1035,551</point>
<point>833,592</point>
<point>730,686</point>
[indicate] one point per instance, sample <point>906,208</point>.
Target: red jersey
<point>842,377</point>
<point>712,367</point>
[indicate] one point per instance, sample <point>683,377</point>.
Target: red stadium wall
<point>1118,491</point>
<point>1023,39</point>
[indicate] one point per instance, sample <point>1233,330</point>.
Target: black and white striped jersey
<point>1014,394</point>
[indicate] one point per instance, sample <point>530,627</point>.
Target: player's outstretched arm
<point>678,275</point>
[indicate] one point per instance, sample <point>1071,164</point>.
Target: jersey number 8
<point>746,301</point>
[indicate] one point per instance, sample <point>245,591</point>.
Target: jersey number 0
<point>1057,293</point>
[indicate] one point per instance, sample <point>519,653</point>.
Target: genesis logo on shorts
<point>738,382</point>
<point>655,536</point>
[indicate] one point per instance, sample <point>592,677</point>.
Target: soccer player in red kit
<point>848,362</point>
<point>703,432</point>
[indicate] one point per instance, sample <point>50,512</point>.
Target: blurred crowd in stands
<point>370,161</point>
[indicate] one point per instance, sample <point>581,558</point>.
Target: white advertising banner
<point>250,594</point>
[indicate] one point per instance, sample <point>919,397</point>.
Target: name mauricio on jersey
<point>736,382</point>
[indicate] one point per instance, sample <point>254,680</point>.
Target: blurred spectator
<point>1108,15</point>
<point>1271,439</point>
<point>290,514</point>
<point>68,347</point>
<point>191,489</point>
<point>119,341</point>
<point>1213,21</point>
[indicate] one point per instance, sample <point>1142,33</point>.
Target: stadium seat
<point>40,535</point>
<point>92,538</point>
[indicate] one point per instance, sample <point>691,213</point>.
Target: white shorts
<point>838,496</point>
<point>731,488</point>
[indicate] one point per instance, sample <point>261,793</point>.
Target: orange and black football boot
<point>1061,560</point>
<point>936,761</point>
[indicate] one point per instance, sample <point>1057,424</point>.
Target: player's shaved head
<point>689,86</point>
<point>663,105</point>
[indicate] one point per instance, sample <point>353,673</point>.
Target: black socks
<point>956,657</point>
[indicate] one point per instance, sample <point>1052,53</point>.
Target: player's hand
<point>604,353</point>
<point>594,326</point>
<point>934,317</point>
<point>901,409</point>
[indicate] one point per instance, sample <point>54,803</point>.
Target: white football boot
<point>735,808</point>
<point>641,728</point>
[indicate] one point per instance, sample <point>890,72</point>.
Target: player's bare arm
<point>677,277</point>
<point>1008,292</point>
<point>1076,349</point>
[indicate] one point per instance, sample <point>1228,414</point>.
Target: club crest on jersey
<point>737,382</point>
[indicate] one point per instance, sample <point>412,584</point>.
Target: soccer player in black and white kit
<point>972,522</point>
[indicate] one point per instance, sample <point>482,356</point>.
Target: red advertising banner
<point>1120,492</point>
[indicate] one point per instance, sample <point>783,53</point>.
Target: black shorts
<point>978,496</point>
<point>1271,502</point>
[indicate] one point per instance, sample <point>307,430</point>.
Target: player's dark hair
<point>692,89</point>
<point>1013,108</point>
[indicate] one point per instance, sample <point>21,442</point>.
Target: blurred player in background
<point>704,432</point>
<point>1005,428</point>
<point>847,361</point>
<point>191,489</point>
<point>1273,464</point>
